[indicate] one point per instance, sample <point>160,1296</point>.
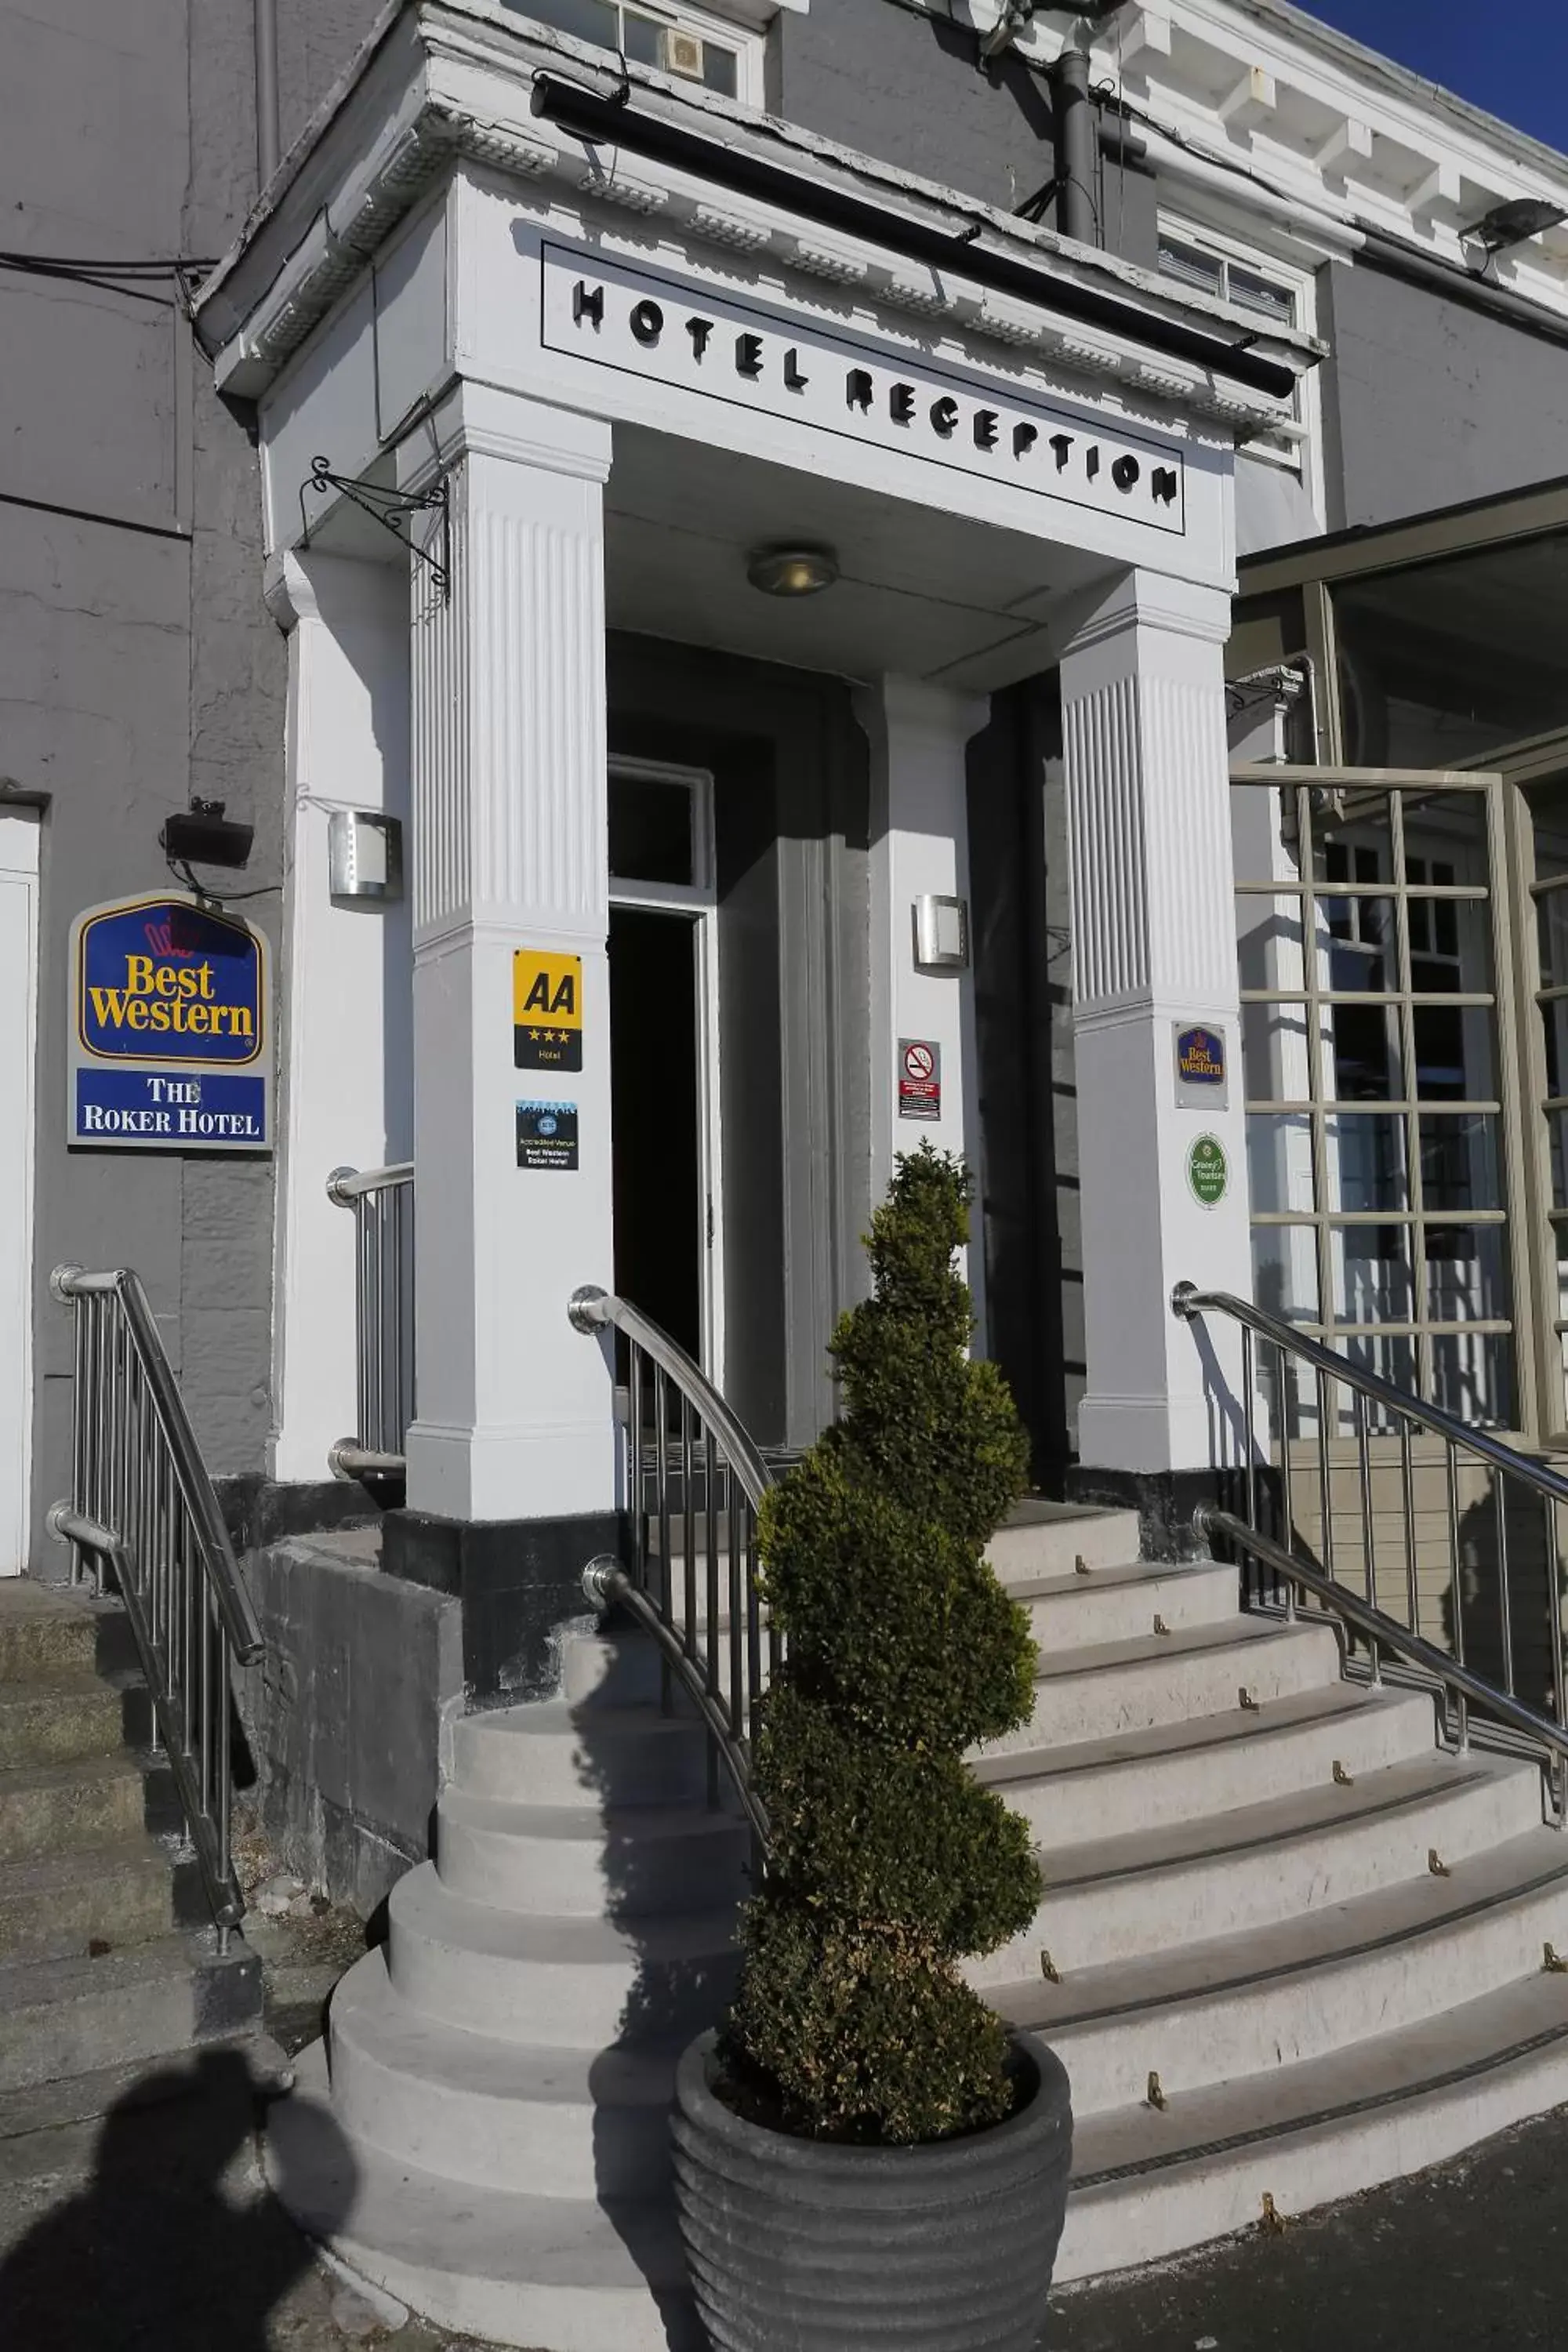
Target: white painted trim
<point>18,1079</point>
<point>698,901</point>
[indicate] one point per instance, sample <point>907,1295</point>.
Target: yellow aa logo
<point>546,1010</point>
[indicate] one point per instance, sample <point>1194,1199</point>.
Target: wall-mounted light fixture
<point>1512,224</point>
<point>942,933</point>
<point>365,855</point>
<point>792,571</point>
<point>203,835</point>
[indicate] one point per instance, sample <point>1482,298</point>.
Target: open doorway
<point>664,1059</point>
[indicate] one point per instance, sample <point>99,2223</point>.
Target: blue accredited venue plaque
<point>170,1044</point>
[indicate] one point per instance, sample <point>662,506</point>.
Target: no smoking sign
<point>920,1079</point>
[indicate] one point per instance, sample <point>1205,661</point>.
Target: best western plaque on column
<point>169,1043</point>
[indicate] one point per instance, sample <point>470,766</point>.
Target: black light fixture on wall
<point>1514,223</point>
<point>203,835</point>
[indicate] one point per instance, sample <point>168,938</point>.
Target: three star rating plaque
<point>546,1010</point>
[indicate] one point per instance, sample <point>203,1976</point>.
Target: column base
<point>1164,1501</point>
<point>519,1582</point>
<point>543,1469</point>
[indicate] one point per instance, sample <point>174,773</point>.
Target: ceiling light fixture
<point>1513,224</point>
<point>792,571</point>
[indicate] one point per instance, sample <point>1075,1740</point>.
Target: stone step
<point>67,2017</point>
<point>57,1719</point>
<point>621,1667</point>
<point>1121,1604</point>
<point>1177,1772</point>
<point>45,1630</point>
<point>567,1860</point>
<point>1120,1687</point>
<point>1148,2184</point>
<point>550,1754</point>
<point>34,2118</point>
<point>1321,1980</point>
<point>1250,1867</point>
<point>1044,1539</point>
<point>575,2274</point>
<point>555,1983</point>
<point>540,2122</point>
<point>115,1895</point>
<point>87,1801</point>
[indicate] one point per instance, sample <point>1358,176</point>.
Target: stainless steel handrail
<point>1496,1697</point>
<point>381,1201</point>
<point>1379,1626</point>
<point>142,1510</point>
<point>709,1623</point>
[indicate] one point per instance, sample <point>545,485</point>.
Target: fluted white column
<point>1153,946</point>
<point>510,850</point>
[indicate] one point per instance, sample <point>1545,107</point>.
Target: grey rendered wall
<point>138,664</point>
<point>1428,403</point>
<point>905,87</point>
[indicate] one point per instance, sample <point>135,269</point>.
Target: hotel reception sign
<point>170,1048</point>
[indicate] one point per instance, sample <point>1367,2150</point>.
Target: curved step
<point>1096,1692</point>
<point>1120,1604</point>
<point>555,1983</point>
<point>522,2270</point>
<point>1149,2184</point>
<point>1261,1864</point>
<point>542,2123</point>
<point>569,1860</point>
<point>1177,1772</point>
<point>1244,2006</point>
<point>549,1753</point>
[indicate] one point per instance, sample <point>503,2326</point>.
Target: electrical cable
<point>180,868</point>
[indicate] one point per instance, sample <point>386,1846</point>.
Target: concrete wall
<point>908,88</point>
<point>1428,402</point>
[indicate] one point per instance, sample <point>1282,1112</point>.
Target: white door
<point>19,1031</point>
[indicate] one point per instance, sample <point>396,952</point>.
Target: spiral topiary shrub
<point>890,1862</point>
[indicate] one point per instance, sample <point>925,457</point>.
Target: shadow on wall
<point>174,2243</point>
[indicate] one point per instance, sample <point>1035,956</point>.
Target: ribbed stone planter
<point>798,2246</point>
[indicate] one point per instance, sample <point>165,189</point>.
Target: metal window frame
<point>1394,788</point>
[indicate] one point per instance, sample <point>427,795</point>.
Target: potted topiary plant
<point>862,2152</point>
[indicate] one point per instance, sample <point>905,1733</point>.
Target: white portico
<point>597,350</point>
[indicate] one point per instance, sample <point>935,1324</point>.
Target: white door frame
<point>699,902</point>
<point>18,1058</point>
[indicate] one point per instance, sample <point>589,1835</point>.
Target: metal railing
<point>1501,1602</point>
<point>695,1482</point>
<point>142,1514</point>
<point>381,1200</point>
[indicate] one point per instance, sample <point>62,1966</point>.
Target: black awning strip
<point>613,121</point>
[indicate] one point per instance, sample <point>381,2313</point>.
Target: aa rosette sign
<point>170,1029</point>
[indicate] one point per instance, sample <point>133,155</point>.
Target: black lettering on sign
<point>944,418</point>
<point>1092,462</point>
<point>699,330</point>
<point>858,389</point>
<point>794,380</point>
<point>647,322</point>
<point>749,355</point>
<point>1062,444</point>
<point>1165,484</point>
<point>901,402</point>
<point>587,302</point>
<point>986,423</point>
<point>1024,439</point>
<point>1126,473</point>
<point>564,1002</point>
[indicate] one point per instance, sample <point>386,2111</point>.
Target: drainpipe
<point>1073,141</point>
<point>267,119</point>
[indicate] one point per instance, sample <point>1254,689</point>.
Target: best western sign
<point>169,1046</point>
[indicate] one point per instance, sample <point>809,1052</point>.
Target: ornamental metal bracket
<point>395,511</point>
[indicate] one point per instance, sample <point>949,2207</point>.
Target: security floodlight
<point>1514,223</point>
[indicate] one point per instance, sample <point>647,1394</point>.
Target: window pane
<point>1552,931</point>
<point>1366,1161</point>
<point>1555,1024</point>
<point>1393,1357</point>
<point>1557,1128</point>
<point>1252,292</point>
<point>589,20</point>
<point>1356,941</point>
<point>1466,1278</point>
<point>1284,1268</point>
<point>1454,1052</point>
<point>1268,941</point>
<point>1365,1060</point>
<point>650,831</point>
<point>1191,264</point>
<point>1472,1377</point>
<point>1372,1273</point>
<point>1279,1162</point>
<point>720,70</point>
<point>640,34</point>
<point>1459,1168</point>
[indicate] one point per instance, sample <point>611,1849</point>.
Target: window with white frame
<point>687,43</point>
<point>1279,297</point>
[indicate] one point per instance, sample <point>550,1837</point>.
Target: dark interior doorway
<point>658,1204</point>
